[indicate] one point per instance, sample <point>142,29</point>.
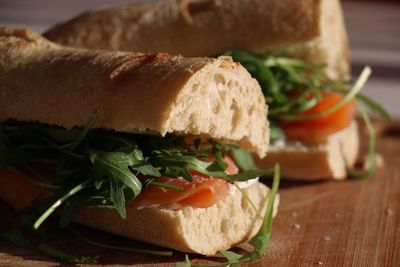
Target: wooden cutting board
<point>351,223</point>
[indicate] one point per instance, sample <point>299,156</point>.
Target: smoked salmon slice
<point>202,192</point>
<point>315,129</point>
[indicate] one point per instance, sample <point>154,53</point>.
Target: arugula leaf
<point>117,196</point>
<point>243,159</point>
<point>248,175</point>
<point>146,169</point>
<point>116,166</point>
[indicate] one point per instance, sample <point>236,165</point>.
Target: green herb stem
<point>31,180</point>
<point>374,106</point>
<point>85,131</point>
<point>350,95</point>
<point>168,186</point>
<point>262,238</point>
<point>59,201</point>
<point>246,196</point>
<point>371,157</point>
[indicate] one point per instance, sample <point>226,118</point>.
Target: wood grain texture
<point>351,223</point>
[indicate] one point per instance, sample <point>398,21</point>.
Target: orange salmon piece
<point>202,192</point>
<point>314,129</point>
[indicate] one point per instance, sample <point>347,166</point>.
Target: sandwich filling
<point>46,168</point>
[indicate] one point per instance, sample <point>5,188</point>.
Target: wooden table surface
<point>350,223</point>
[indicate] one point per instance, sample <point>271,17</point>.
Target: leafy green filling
<point>106,168</point>
<point>99,168</point>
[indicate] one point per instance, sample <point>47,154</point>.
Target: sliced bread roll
<point>194,230</point>
<point>129,91</point>
<point>330,158</point>
<point>311,29</point>
<point>44,82</point>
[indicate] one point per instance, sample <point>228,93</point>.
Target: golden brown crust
<point>195,230</point>
<point>313,28</point>
<point>214,27</point>
<point>65,86</point>
<point>330,46</point>
<point>328,160</point>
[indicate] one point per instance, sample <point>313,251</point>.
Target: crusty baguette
<point>326,160</point>
<point>313,29</point>
<point>45,82</point>
<point>42,81</point>
<point>195,230</point>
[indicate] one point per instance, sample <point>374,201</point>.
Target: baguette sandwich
<point>146,146</point>
<point>297,50</point>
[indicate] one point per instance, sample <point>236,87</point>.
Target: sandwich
<point>297,50</point>
<point>147,146</point>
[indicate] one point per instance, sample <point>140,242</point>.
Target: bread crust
<point>329,159</point>
<point>330,47</point>
<point>314,29</point>
<point>194,230</point>
<point>45,82</point>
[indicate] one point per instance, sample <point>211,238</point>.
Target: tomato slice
<point>320,128</point>
<point>202,192</point>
